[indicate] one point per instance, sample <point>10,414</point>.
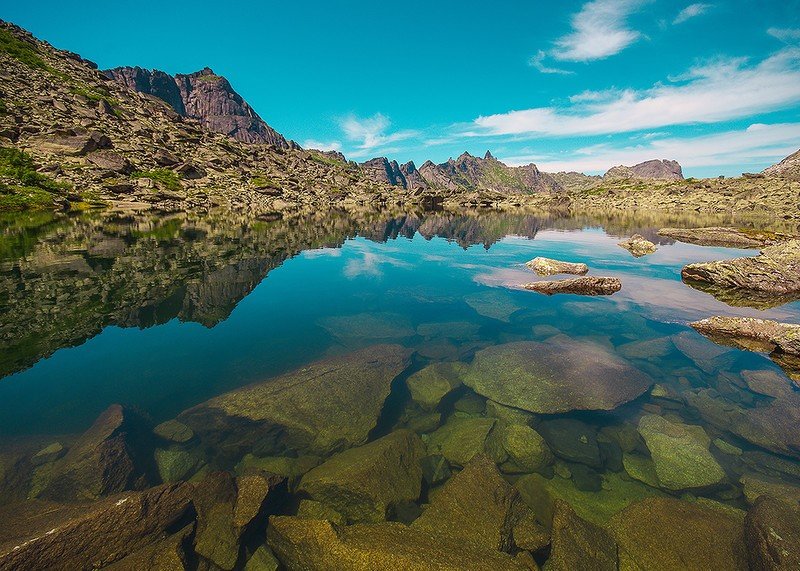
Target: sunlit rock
<point>548,267</point>
<point>638,245</point>
<point>461,439</point>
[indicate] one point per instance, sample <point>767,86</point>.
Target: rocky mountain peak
<point>489,156</point>
<point>788,168</point>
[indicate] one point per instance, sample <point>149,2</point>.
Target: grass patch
<point>325,159</point>
<point>162,177</point>
<point>21,187</point>
<point>21,50</point>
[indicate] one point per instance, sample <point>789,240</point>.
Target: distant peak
<point>489,156</point>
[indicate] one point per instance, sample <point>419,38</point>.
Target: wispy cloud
<point>322,145</point>
<point>758,143</point>
<point>371,133</point>
<point>787,35</point>
<point>711,92</point>
<point>537,62</point>
<point>599,30</point>
<point>691,11</point>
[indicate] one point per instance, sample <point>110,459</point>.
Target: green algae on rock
<point>772,534</point>
<point>430,385</point>
<point>365,484</point>
<point>527,450</point>
<point>368,326</point>
<point>174,431</point>
<point>306,405</point>
<point>461,439</point>
<point>579,544</point>
<point>554,377</point>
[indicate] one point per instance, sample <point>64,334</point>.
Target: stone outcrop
<point>204,96</point>
<point>555,377</point>
<point>638,245</point>
<point>653,169</point>
<point>751,333</point>
<point>587,285</point>
<point>548,267</point>
<point>788,168</point>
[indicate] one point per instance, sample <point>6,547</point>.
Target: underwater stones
<point>640,468</point>
<point>493,304</point>
<point>665,534</point>
<point>680,453</point>
<point>638,245</point>
<point>317,545</point>
<point>289,467</point>
<point>757,485</point>
<point>587,285</point>
<point>776,271</point>
<point>431,384</point>
<point>306,406</point>
<point>724,237</point>
<point>367,483</point>
<point>647,349</point>
<point>174,431</point>
<point>48,454</point>
<point>168,554</point>
<point>772,535</point>
<point>557,376</point>
<point>312,509</point>
<point>262,559</point>
<point>508,414</point>
<point>46,535</point>
<point>705,355</point>
<point>458,330</point>
<point>175,465</point>
<point>527,450</point>
<point>435,469</point>
<point>461,439</point>
<point>768,382</point>
<point>475,506</point>
<point>368,326</point>
<point>548,267</point>
<point>106,459</point>
<point>572,440</point>
<point>579,544</point>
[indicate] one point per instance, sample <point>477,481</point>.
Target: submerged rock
<point>476,506</point>
<point>318,545</point>
<point>549,267</point>
<point>170,553</point>
<point>461,439</point>
<point>757,485</point>
<point>174,431</point>
<point>638,245</point>
<point>579,544</point>
<point>430,385</point>
<point>572,440</point>
<point>48,454</point>
<point>587,285</point>
<point>366,484</point>
<point>557,376</point>
<point>46,535</point>
<point>772,534</point>
<point>665,534</point>
<point>493,304</point>
<point>680,453</point>
<point>305,407</point>
<point>527,450</point>
<point>368,326</point>
<point>725,237</point>
<point>776,271</point>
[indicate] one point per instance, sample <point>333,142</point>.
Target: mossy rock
<point>431,384</point>
<point>508,414</point>
<point>579,544</point>
<point>461,439</point>
<point>527,450</point>
<point>174,431</point>
<point>175,465</point>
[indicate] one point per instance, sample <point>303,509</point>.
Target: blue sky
<point>567,85</point>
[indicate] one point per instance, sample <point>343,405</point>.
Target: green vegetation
<point>165,232</point>
<point>261,180</point>
<point>3,107</point>
<point>324,159</point>
<point>21,187</point>
<point>163,177</point>
<point>21,50</point>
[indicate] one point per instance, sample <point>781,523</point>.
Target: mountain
<point>467,173</point>
<point>576,180</point>
<point>653,169</point>
<point>788,168</point>
<point>204,96</point>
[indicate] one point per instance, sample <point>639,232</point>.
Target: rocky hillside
<point>788,168</point>
<point>576,180</point>
<point>653,169</point>
<point>204,96</point>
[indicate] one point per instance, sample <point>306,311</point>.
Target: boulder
<point>579,544</point>
<point>572,440</point>
<point>170,554</point>
<point>262,559</point>
<point>665,534</point>
<point>587,285</point>
<point>49,453</point>
<point>368,483</point>
<point>174,431</point>
<point>527,450</point>
<point>638,245</point>
<point>549,267</point>
<point>73,142</point>
<point>493,304</point>
<point>757,485</point>
<point>304,408</point>
<point>110,457</point>
<point>110,160</point>
<point>319,545</point>
<point>772,535</point>
<point>476,506</point>
<point>430,385</point>
<point>508,414</point>
<point>557,376</point>
<point>175,464</point>
<point>680,453</point>
<point>461,439</point>
<point>46,535</point>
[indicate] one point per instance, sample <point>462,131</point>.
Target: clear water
<point>163,314</point>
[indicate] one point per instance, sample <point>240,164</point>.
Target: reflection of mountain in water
<point>63,279</point>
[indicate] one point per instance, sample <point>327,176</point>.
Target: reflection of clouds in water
<point>504,277</point>
<point>369,265</point>
<point>322,253</point>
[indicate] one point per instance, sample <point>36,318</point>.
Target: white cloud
<point>322,145</point>
<point>537,62</point>
<point>599,30</point>
<point>759,143</point>
<point>787,35</point>
<point>716,91</point>
<point>371,133</point>
<point>691,11</point>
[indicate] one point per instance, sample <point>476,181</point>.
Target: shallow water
<point>164,314</point>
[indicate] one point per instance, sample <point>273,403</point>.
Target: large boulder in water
<point>367,483</point>
<point>665,534</point>
<point>554,377</point>
<point>304,409</point>
<point>579,544</point>
<point>772,533</point>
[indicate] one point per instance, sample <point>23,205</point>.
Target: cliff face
<point>653,169</point>
<point>204,96</point>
